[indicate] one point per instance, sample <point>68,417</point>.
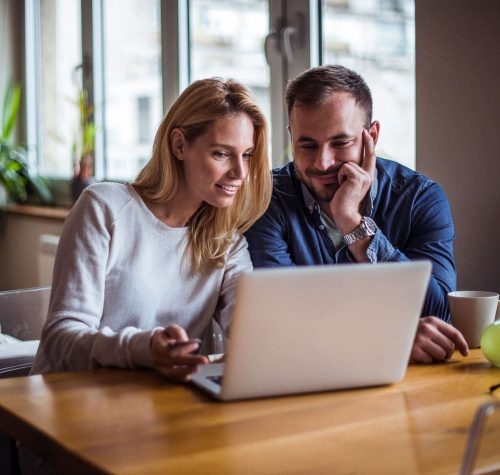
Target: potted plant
<point>82,148</point>
<point>17,184</point>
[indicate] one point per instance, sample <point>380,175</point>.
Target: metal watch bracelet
<point>366,228</point>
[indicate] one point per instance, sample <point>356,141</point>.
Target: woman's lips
<point>228,189</point>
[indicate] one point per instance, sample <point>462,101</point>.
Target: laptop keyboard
<point>216,379</point>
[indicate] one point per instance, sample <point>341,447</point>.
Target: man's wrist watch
<point>365,229</point>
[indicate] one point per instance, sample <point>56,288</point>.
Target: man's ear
<point>374,131</point>
<point>177,143</point>
<point>291,149</point>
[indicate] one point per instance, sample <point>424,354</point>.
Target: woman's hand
<point>171,359</point>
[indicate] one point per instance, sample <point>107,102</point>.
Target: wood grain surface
<point>136,422</point>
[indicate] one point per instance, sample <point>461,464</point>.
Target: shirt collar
<point>313,207</point>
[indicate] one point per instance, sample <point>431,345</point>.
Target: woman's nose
<point>238,168</point>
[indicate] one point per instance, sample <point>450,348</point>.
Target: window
<point>60,80</point>
<point>133,57</point>
<point>227,40</point>
<point>144,129</point>
<point>376,38</point>
<point>132,84</point>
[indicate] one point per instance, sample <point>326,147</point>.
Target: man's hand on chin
<point>436,341</point>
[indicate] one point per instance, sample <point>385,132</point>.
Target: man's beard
<point>326,192</point>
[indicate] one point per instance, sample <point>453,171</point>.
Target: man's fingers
<point>352,171</point>
<point>427,341</point>
<point>454,335</point>
<point>419,356</point>
<point>451,333</point>
<point>434,350</point>
<point>430,344</point>
<point>438,339</point>
<point>369,158</point>
<point>441,340</point>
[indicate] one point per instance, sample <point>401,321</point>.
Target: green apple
<point>490,343</point>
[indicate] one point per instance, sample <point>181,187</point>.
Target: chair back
<point>22,316</point>
<point>23,312</point>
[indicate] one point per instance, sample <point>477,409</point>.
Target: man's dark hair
<point>314,86</point>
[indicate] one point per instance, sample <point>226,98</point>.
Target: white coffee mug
<point>471,312</point>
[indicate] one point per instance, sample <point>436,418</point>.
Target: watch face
<point>370,225</point>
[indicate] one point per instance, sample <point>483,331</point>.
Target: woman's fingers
<point>171,352</point>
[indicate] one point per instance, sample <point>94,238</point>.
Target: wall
<point>458,117</point>
<point>19,244</point>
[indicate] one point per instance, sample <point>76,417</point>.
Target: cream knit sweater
<point>120,273</point>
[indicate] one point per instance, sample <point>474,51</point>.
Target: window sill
<point>50,212</point>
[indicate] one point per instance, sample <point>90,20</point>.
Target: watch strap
<point>366,228</point>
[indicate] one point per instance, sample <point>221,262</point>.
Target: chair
<point>22,315</point>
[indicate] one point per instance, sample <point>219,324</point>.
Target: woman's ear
<point>177,143</point>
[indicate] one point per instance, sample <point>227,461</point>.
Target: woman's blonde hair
<point>211,229</point>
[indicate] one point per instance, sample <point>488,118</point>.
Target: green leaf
<point>12,100</point>
<point>14,166</point>
<point>88,138</point>
<point>5,104</point>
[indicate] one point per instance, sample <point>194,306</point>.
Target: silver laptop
<point>305,329</point>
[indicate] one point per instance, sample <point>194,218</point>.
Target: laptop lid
<point>319,328</point>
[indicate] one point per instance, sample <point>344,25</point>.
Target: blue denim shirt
<point>411,211</point>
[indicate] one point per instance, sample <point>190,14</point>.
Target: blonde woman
<point>142,268</point>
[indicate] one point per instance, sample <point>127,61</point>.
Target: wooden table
<point>135,422</point>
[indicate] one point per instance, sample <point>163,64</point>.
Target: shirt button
<point>321,227</point>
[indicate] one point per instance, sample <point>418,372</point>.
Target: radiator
<point>46,255</point>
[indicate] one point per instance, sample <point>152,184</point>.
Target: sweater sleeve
<point>238,262</point>
<point>72,338</point>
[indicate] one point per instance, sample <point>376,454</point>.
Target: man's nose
<point>325,159</point>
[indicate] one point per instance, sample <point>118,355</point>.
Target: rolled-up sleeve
<point>431,237</point>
